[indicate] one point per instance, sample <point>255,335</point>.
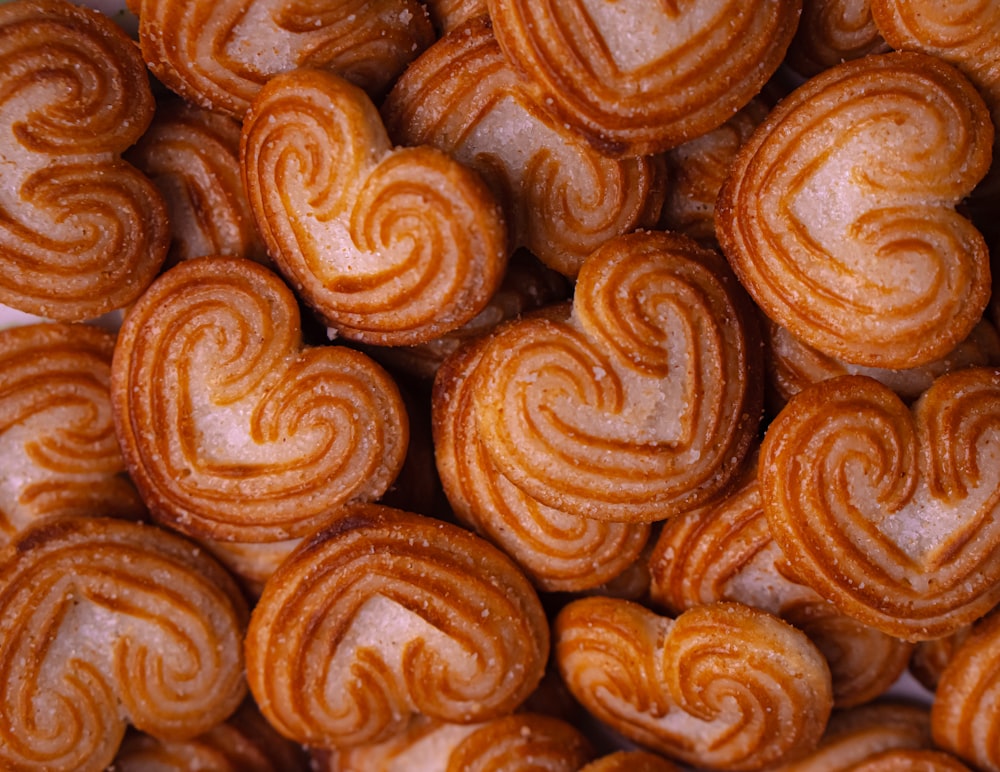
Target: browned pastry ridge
<point>232,429</point>
<point>833,31</point>
<point>891,514</point>
<point>839,217</point>
<point>631,761</point>
<point>561,197</point>
<point>219,53</point>
<point>57,438</point>
<point>390,246</point>
<point>104,622</point>
<point>81,231</point>
<point>645,401</point>
<point>723,686</point>
<point>640,76</point>
<point>387,614</point>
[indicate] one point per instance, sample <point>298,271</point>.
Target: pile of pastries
<point>491,384</point>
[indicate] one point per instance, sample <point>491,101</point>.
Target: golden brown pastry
<point>930,658</point>
<point>621,72</point>
<point>643,403</point>
<point>631,761</point>
<point>81,231</point>
<point>838,214</point>
<point>192,156</point>
<point>561,197</point>
<point>559,550</point>
<point>106,621</point>
<point>906,760</point>
<point>446,15</point>
<point>697,168</point>
<point>723,686</point>
<point>57,439</point>
<point>219,53</point>
<point>389,246</point>
<point>384,615</point>
<point>890,514</point>
<point>723,551</point>
<point>965,714</point>
<point>831,32</point>
<point>231,429</point>
<point>243,743</point>
<point>523,741</point>
<point>792,365</point>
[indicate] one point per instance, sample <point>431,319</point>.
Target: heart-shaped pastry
<point>219,53</point>
<point>641,404</point>
<point>389,246</point>
<point>640,76</point>
<point>57,438</point>
<point>561,197</point>
<point>839,217</point>
<point>230,427</point>
<point>104,622</point>
<point>724,551</point>
<point>891,514</point>
<point>722,686</point>
<point>831,32</point>
<point>387,614</point>
<point>81,231</point>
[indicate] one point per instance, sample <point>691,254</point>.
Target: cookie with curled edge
<point>792,365</point>
<point>562,198</point>
<point>965,711</point>
<point>644,402</point>
<point>559,550</point>
<point>930,658</point>
<point>631,761</point>
<point>623,74</point>
<point>446,15</point>
<point>722,686</point>
<point>890,512</point>
<point>905,760</point>
<point>57,438</point>
<point>82,232</point>
<point>385,615</point>
<point>839,217</point>
<point>724,552</point>
<point>192,156</point>
<point>231,428</point>
<point>831,32</point>
<point>390,246</point>
<point>219,54</point>
<point>519,741</point>
<point>105,623</point>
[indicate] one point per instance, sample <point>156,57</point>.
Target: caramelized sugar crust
<point>57,438</point>
<point>644,402</point>
<point>231,428</point>
<point>631,761</point>
<point>562,198</point>
<point>387,614</point>
<point>838,215</point>
<point>641,76</point>
<point>104,621</point>
<point>722,686</point>
<point>81,231</point>
<point>891,514</point>
<point>389,246</point>
<point>831,32</point>
<point>219,53</point>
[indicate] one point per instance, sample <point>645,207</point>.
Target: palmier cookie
<point>560,551</point>
<point>57,439</point>
<point>106,621</point>
<point>623,73</point>
<point>724,551</point>
<point>644,402</point>
<point>232,429</point>
<point>192,156</point>
<point>522,741</point>
<point>631,761</point>
<point>389,246</point>
<point>81,231</point>
<point>838,214</point>
<point>387,614</point>
<point>890,514</point>
<point>722,686</point>
<point>561,197</point>
<point>219,53</point>
<point>831,32</point>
